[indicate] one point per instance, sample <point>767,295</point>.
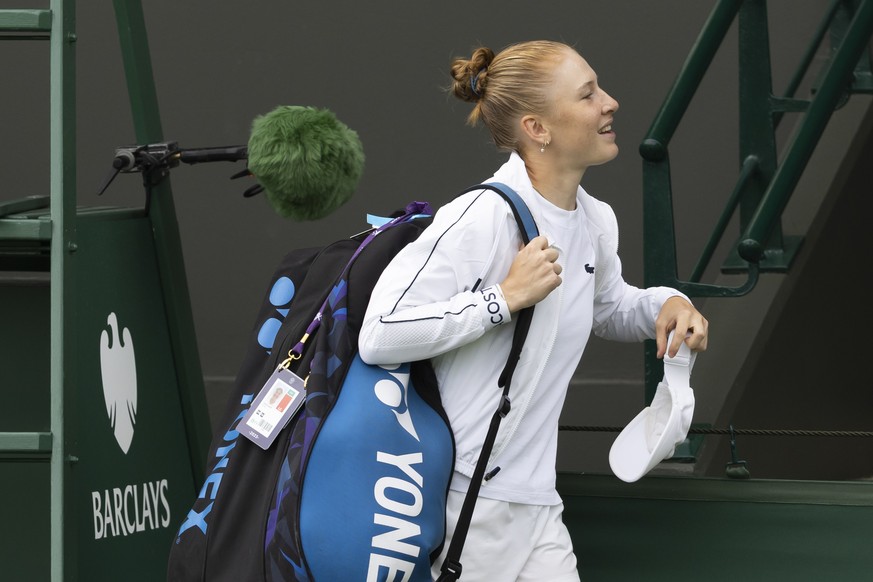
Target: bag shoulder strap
<point>451,568</point>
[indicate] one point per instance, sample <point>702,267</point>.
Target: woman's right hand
<point>534,274</point>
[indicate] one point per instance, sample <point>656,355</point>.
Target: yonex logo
<point>393,393</point>
<point>213,481</point>
<point>403,501</point>
<point>399,495</point>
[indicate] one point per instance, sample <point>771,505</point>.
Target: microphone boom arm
<point>155,160</point>
<point>216,154</point>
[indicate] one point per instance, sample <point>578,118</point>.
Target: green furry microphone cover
<point>308,162</point>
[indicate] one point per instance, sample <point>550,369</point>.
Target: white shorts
<point>511,542</point>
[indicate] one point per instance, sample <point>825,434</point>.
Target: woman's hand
<point>533,275</point>
<point>677,314</point>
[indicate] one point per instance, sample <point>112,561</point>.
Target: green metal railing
<point>764,185</point>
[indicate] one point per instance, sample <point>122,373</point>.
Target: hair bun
<point>470,75</point>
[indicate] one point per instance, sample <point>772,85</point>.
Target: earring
<point>543,147</point>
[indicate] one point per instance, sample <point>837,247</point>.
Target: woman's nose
<point>611,105</point>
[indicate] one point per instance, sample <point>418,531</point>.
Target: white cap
<point>654,433</point>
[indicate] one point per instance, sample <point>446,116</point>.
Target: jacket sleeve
<point>623,312</point>
<point>435,295</point>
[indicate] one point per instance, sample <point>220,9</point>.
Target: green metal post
<point>168,245</point>
<point>757,136</point>
<point>63,245</point>
<point>660,266</point>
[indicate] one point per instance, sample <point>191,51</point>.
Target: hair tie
<point>474,81</point>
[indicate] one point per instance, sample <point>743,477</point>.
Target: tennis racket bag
<point>354,486</point>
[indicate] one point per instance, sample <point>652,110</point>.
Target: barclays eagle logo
<point>118,371</point>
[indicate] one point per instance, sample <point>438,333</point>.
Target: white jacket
<point>437,300</point>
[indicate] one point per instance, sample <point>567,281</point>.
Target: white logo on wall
<point>118,370</point>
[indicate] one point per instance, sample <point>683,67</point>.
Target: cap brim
<point>653,434</point>
<point>630,457</point>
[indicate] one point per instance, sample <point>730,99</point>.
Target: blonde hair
<point>506,86</point>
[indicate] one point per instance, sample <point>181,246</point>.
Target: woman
<point>450,296</point>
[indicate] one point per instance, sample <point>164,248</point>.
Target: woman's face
<point>581,116</point>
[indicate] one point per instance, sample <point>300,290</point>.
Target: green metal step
<point>25,219</point>
<point>25,442</point>
<point>26,21</point>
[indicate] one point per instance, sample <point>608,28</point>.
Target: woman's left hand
<point>689,324</point>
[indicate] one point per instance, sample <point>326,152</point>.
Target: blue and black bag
<point>354,487</point>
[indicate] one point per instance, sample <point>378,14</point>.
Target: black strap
<point>451,568</point>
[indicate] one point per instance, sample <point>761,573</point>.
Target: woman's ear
<point>534,130</point>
